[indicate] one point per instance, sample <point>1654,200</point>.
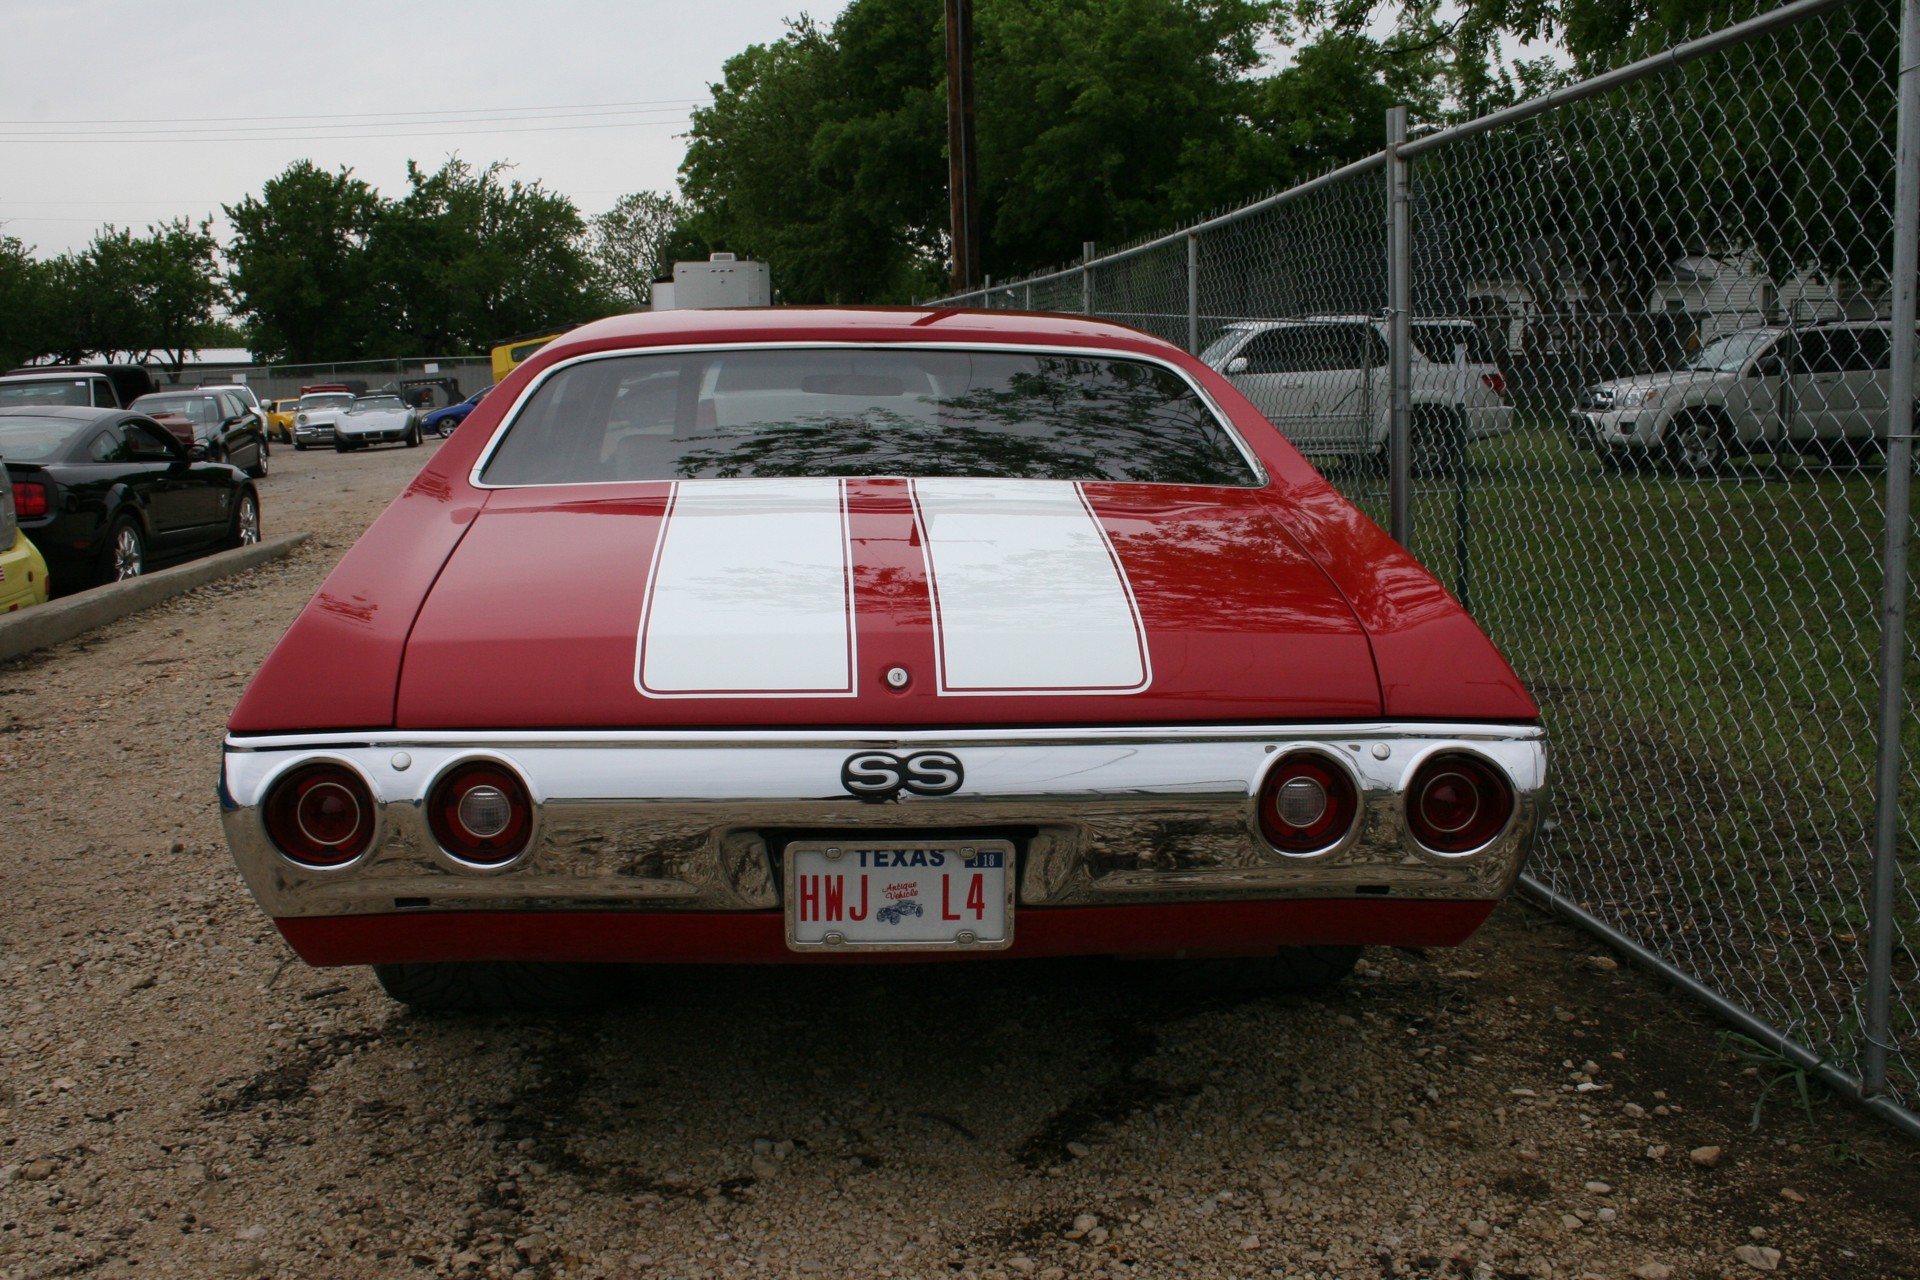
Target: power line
<point>455,130</point>
<point>357,115</point>
<point>277,129</point>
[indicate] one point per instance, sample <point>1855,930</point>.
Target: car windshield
<point>842,411</point>
<point>201,411</point>
<point>377,404</point>
<point>1217,350</point>
<point>333,401</point>
<point>46,391</point>
<point>26,438</point>
<point>1731,353</point>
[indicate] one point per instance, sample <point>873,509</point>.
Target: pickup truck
<point>100,386</point>
<point>1813,388</point>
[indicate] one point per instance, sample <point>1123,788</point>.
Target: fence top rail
<point>1686,51</point>
<point>1295,192</point>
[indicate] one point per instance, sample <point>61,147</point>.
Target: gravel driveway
<point>178,1097</point>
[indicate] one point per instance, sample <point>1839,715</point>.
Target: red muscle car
<point>834,635</point>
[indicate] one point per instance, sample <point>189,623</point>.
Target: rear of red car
<point>825,635</point>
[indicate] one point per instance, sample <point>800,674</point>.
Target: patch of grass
<point>1705,653</point>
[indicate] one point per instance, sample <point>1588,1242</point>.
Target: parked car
<point>23,570</point>
<point>247,397</point>
<point>214,422</point>
<point>712,633</point>
<point>280,418</point>
<point>1820,387</point>
<point>376,419</point>
<point>319,412</point>
<point>101,491</point>
<point>1322,380</point>
<point>105,386</point>
<point>441,422</point>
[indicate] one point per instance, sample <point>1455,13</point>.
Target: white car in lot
<point>1322,380</point>
<point>376,419</point>
<point>315,419</point>
<point>1820,387</point>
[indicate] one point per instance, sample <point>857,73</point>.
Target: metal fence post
<point>1087,252</point>
<point>1193,293</point>
<point>1399,335</point>
<point>1893,608</point>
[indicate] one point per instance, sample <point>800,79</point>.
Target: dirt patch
<point>179,1098</point>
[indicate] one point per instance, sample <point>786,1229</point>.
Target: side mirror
<point>196,451</point>
<point>1236,365</point>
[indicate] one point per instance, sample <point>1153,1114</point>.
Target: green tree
<point>299,277</point>
<point>23,304</point>
<point>629,245</point>
<point>468,255</point>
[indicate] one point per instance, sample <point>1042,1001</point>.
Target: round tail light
<point>320,814</point>
<point>480,812</point>
<point>1458,802</point>
<point>1307,804</point>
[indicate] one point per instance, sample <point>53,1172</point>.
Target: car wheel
<point>1289,969</point>
<point>298,447</point>
<point>339,445</point>
<point>246,520</point>
<point>1695,445</point>
<point>502,985</point>
<point>413,436</point>
<point>259,469</point>
<point>126,553</point>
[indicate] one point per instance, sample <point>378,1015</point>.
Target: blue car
<point>441,422</point>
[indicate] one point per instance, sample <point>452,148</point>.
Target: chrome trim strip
<point>1220,416</point>
<point>677,819</point>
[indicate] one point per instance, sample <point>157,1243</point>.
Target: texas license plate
<point>899,895</point>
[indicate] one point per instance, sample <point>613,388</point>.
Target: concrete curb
<point>63,619</point>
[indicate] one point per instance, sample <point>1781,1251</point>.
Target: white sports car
<point>376,419</point>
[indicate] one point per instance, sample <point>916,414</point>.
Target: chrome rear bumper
<point>691,821</point>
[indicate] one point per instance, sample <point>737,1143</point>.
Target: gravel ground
<point>179,1097</point>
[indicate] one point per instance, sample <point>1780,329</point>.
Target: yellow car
<point>280,417</point>
<point>23,576</point>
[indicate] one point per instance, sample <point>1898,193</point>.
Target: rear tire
<point>1427,445</point>
<point>413,436</point>
<point>125,555</point>
<point>1289,969</point>
<point>518,986</point>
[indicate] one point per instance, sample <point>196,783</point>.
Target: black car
<point>215,421</point>
<point>101,490</point>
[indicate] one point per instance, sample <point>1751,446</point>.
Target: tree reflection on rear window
<point>859,412</point>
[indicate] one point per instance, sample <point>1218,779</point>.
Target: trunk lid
<point>788,603</point>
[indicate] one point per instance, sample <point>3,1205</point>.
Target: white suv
<point>1322,380</point>
<point>1823,387</point>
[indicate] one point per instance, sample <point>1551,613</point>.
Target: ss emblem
<point>881,775</point>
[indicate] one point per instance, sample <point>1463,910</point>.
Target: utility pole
<point>963,177</point>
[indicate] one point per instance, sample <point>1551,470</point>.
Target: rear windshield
<point>30,439</point>
<point>74,391</point>
<point>1437,341</point>
<point>855,412</point>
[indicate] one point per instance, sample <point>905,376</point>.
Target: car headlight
<point>300,420</point>
<point>1600,397</point>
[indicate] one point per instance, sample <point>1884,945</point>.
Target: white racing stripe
<point>1028,594</point>
<point>750,593</point>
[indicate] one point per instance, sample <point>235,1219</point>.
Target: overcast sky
<point>122,112</point>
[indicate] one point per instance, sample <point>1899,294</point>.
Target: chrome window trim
<point>1221,418</point>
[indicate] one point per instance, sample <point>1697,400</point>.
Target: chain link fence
<point>1645,406</point>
